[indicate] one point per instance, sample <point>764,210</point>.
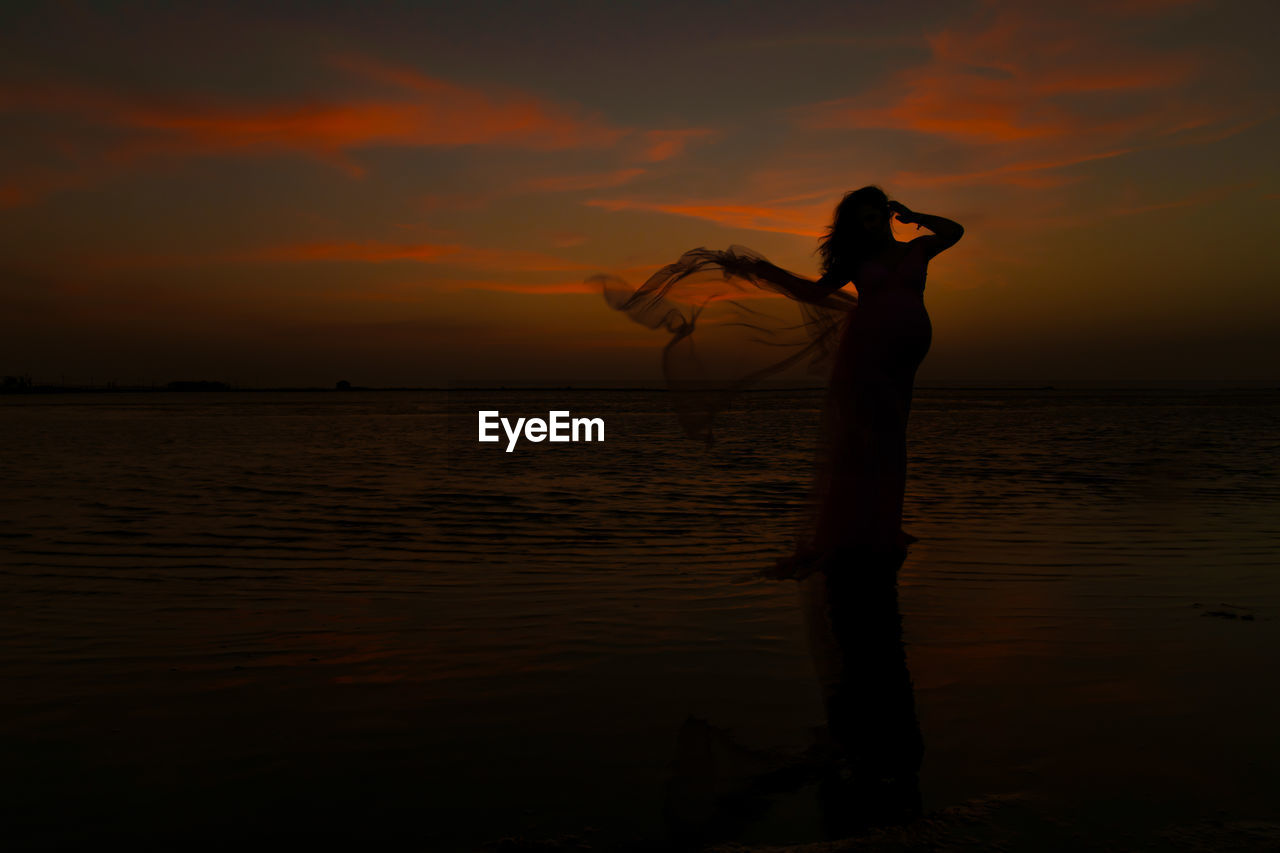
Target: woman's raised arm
<point>946,232</point>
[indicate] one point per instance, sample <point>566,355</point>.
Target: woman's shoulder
<point>920,249</point>
<point>888,257</point>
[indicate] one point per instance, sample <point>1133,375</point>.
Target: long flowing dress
<point>725,338</point>
<point>860,482</point>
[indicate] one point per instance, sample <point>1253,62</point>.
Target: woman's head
<point>861,221</point>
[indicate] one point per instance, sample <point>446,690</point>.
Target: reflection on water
<point>865,763</point>
<point>856,633</point>
<point>310,617</point>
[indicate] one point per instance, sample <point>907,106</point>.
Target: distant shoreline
<point>223,388</point>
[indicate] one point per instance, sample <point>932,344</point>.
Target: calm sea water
<point>328,616</point>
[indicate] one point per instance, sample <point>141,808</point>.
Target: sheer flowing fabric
<point>737,345</point>
<point>721,345</point>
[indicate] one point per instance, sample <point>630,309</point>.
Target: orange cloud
<point>405,108</point>
<point>555,287</point>
<point>368,252</point>
<point>422,111</point>
<point>440,114</point>
<point>1018,73</point>
<point>429,111</point>
<point>31,184</point>
<point>1021,92</point>
<point>379,252</point>
<point>417,292</point>
<point>665,144</point>
<point>989,99</point>
<point>755,217</point>
<point>1022,174</point>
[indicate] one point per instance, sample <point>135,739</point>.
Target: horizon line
<point>213,386</point>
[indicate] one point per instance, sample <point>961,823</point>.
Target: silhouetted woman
<point>861,477</point>
<point>870,346</point>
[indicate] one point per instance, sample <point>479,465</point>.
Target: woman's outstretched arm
<point>806,289</point>
<point>830,283</point>
<point>818,291</point>
<point>946,232</point>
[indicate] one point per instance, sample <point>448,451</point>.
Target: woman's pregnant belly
<point>891,332</point>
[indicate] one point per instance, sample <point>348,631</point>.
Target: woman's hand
<point>903,213</point>
<point>945,231</point>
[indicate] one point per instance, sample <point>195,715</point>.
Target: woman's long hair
<point>847,242</point>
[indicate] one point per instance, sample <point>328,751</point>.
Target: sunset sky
<point>414,194</point>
